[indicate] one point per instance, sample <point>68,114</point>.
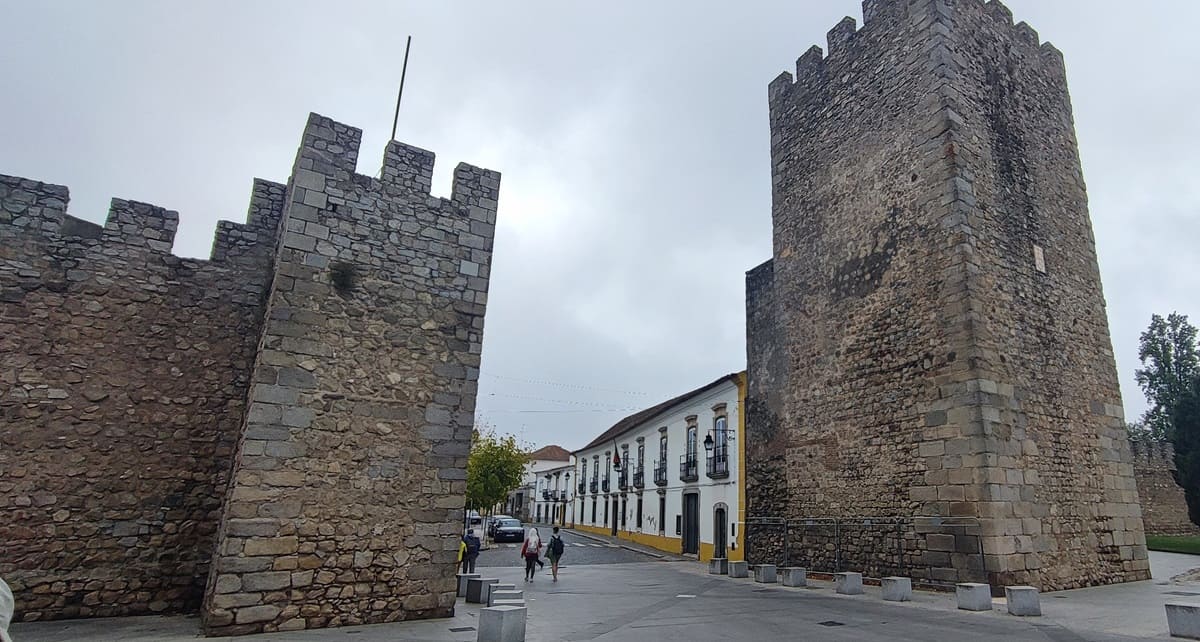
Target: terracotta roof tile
<point>551,453</point>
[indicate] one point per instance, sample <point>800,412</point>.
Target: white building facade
<point>670,476</point>
<point>545,493</point>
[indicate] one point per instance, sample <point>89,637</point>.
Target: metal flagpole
<point>400,94</point>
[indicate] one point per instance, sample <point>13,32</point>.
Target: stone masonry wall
<point>937,300</point>
<point>1164,508</point>
<point>347,489</point>
<point>123,377</point>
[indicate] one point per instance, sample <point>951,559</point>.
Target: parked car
<point>493,521</point>
<point>473,518</point>
<point>509,530</point>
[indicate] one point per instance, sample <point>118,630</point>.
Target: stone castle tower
<point>929,341</point>
<point>277,436</point>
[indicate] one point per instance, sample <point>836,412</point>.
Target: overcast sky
<point>632,138</point>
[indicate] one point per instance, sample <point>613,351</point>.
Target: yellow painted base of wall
<point>671,545</point>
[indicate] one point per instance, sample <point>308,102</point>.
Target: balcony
<point>718,464</point>
<point>660,472</point>
<point>546,496</point>
<point>604,485</point>
<point>623,481</point>
<point>639,479</point>
<point>593,486</point>
<point>688,468</point>
<point>582,487</point>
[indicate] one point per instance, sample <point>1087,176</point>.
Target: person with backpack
<point>471,553</point>
<point>554,551</point>
<point>531,551</point>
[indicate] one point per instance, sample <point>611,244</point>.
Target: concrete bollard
<point>896,589</point>
<point>765,574</point>
<point>718,566</point>
<point>508,602</point>
<point>739,569</point>
<point>794,576</point>
<point>502,624</point>
<point>848,583</point>
<point>497,594</point>
<point>485,594</point>
<point>1023,600</point>
<point>475,592</point>
<point>462,582</point>
<point>973,596</point>
<point>1183,620</point>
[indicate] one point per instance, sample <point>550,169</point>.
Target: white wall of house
<point>713,488</point>
<point>553,494</point>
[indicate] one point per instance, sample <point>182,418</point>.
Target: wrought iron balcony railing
<point>593,486</point>
<point>639,479</point>
<point>604,485</point>
<point>718,464</point>
<point>688,468</point>
<point>660,473</point>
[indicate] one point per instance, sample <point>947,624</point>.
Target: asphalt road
<point>579,551</point>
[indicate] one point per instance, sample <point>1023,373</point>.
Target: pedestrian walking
<point>554,551</point>
<point>471,552</point>
<point>7,606</point>
<point>531,551</point>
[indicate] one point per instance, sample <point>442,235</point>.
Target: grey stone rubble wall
<point>348,484</point>
<point>1164,508</point>
<point>934,370</point>
<point>123,376</point>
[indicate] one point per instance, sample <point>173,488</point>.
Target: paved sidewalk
<point>655,600</point>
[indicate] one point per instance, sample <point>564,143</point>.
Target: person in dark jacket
<point>472,552</point>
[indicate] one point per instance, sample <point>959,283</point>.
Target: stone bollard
<point>485,594</point>
<point>498,594</point>
<point>462,582</point>
<point>973,596</point>
<point>739,569</point>
<point>765,574</point>
<point>718,566</point>
<point>1183,620</point>
<point>848,583</point>
<point>476,593</point>
<point>502,624</point>
<point>1023,600</point>
<point>508,602</point>
<point>896,589</point>
<point>794,576</point>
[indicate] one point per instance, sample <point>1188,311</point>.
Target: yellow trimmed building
<point>671,476</point>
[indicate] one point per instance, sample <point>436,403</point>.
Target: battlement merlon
<point>329,149</point>
<point>141,225</point>
<point>33,205</point>
<point>906,19</point>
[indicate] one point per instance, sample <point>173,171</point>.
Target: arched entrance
<point>720,531</point>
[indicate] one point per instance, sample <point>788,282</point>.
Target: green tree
<point>1170,366</point>
<point>494,467</point>
<point>1186,418</point>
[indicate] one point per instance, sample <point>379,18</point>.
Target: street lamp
<point>708,442</point>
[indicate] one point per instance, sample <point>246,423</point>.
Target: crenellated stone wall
<point>284,426</point>
<point>930,339</point>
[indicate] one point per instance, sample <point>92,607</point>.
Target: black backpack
<point>556,545</point>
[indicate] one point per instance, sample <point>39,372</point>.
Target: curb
<point>597,538</point>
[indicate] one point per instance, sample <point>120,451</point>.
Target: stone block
<point>896,589</point>
<point>486,590</point>
<point>520,602</point>
<point>765,574</point>
<point>794,576</point>
<point>462,582</point>
<point>973,596</point>
<point>1183,620</point>
<point>476,593</point>
<point>1023,600</point>
<point>739,569</point>
<point>718,566</point>
<point>848,583</point>
<point>497,594</point>
<point>502,624</point>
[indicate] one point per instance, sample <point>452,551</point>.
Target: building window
<point>606,512</point>
<point>593,510</point>
<point>638,518</point>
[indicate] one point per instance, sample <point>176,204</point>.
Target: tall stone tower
<point>929,341</point>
